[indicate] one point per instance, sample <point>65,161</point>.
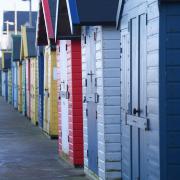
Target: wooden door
<point>91,111</point>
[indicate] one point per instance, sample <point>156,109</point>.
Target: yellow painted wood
<point>24,48</point>
<point>34,91</point>
<point>50,97</point>
<point>19,87</point>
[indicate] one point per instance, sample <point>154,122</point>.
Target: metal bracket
<point>85,83</point>
<point>84,100</point>
<point>96,98</point>
<point>87,153</point>
<point>139,122</point>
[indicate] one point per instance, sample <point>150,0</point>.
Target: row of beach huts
<point>104,77</point>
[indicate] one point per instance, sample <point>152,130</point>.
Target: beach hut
<point>100,43</point>
<point>46,38</point>
<point>40,57</point>
<point>16,45</point>
<point>6,64</point>
<point>70,114</point>
<point>150,79</point>
<point>30,66</point>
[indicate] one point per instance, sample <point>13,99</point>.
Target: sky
<point>18,4</point>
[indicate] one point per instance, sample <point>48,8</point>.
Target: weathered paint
<point>19,87</point>
<point>34,91</point>
<point>106,96</point>
<point>50,124</point>
<point>70,101</point>
<point>10,86</point>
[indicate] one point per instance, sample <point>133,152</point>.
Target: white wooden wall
<point>108,108</point>
<point>152,84</point>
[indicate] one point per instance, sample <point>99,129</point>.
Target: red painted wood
<point>48,20</point>
<point>75,113</point>
<point>75,102</point>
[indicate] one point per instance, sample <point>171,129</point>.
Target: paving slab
<point>26,153</point>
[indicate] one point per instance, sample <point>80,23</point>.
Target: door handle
<point>135,111</point>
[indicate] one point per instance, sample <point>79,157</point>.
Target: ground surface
<point>26,153</point>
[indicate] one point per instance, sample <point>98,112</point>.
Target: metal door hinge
<point>96,115</point>
<point>84,100</point>
<point>85,83</point>
<point>95,36</point>
<point>86,112</point>
<point>146,19</point>
<point>66,47</point>
<point>121,50</point>
<point>95,82</point>
<point>87,153</point>
<point>84,39</point>
<point>96,98</point>
<point>68,138</point>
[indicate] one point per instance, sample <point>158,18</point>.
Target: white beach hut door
<point>64,97</point>
<point>136,123</point>
<point>91,111</point>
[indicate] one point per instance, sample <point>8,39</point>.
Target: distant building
<point>22,19</point>
<point>8,30</point>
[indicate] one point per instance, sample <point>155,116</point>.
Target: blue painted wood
<point>91,104</point>
<point>15,84</point>
<point>169,91</point>
<point>41,86</point>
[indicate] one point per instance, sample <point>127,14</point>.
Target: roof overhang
<point>119,11</point>
<point>16,47</point>
<point>28,48</point>
<point>169,1</point>
<point>41,34</point>
<point>6,59</point>
<point>91,13</point>
<point>62,27</point>
<point>46,21</point>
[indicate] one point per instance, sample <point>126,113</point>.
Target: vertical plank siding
<point>151,152</point>
<point>169,89</point>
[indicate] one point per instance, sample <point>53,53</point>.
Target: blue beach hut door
<point>91,111</point>
<point>134,122</point>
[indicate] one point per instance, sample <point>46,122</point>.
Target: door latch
<point>136,111</point>
<point>96,98</point>
<point>84,100</point>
